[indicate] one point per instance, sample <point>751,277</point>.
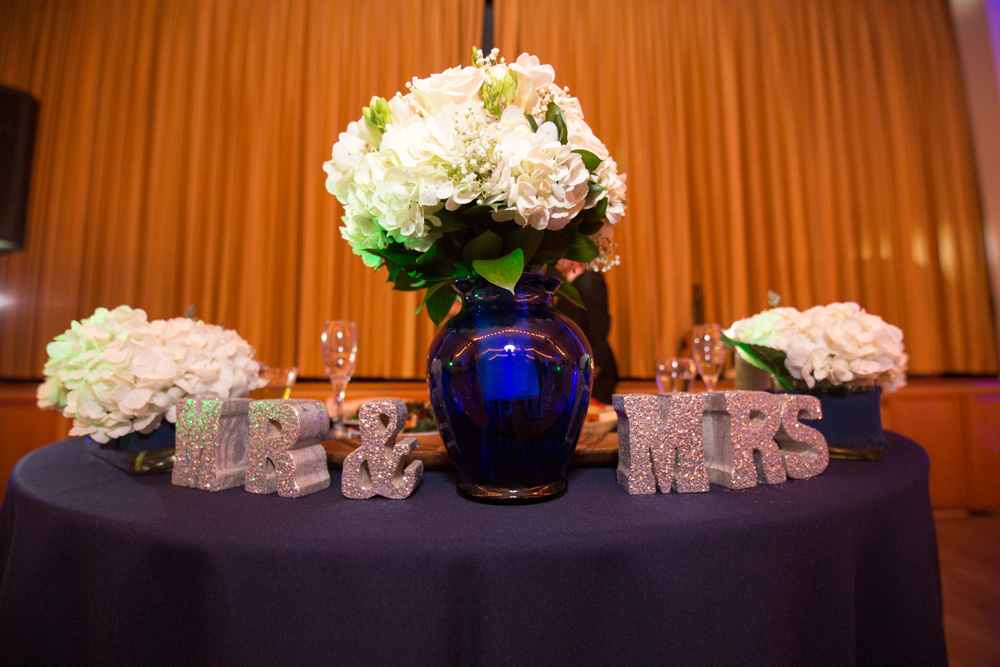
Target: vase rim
<point>536,280</point>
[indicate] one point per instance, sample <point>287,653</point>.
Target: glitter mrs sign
<point>265,446</point>
<point>686,441</point>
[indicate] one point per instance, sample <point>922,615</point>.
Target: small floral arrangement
<point>482,170</point>
<point>117,373</point>
<point>825,347</point>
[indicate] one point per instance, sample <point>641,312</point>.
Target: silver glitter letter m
<point>211,446</point>
<point>642,458</point>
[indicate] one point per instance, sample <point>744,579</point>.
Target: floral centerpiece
<point>841,354</point>
<point>825,347</point>
<point>485,170</point>
<point>117,374</point>
<point>478,178</point>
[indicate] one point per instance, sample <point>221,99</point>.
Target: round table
<point>101,567</point>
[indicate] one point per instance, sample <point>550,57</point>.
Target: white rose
<point>458,85</point>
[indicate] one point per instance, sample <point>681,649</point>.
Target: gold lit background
<point>820,149</point>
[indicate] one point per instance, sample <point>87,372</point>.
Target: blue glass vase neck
<point>531,289</point>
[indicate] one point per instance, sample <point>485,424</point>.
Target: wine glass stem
<point>339,387</point>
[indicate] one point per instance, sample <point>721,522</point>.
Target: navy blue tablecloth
<point>100,567</point>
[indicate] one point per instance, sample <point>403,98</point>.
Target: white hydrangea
<point>443,146</point>
<point>540,182</point>
<point>840,344</point>
<point>116,372</point>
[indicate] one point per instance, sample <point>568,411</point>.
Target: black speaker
<point>18,116</point>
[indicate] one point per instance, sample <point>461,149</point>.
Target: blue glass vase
<point>510,381</point>
<point>140,453</point>
<point>851,423</point>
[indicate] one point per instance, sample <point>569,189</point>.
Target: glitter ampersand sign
<point>374,468</point>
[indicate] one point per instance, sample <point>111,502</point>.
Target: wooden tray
<point>592,450</point>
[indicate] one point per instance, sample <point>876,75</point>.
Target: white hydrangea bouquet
<point>838,346</point>
<point>116,373</point>
<point>483,170</point>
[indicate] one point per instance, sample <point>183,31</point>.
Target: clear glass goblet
<point>279,379</point>
<point>340,348</point>
<point>709,353</point>
<point>675,374</point>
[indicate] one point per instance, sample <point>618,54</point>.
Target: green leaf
<point>590,226</point>
<point>396,255</point>
<point>767,358</point>
<point>485,246</point>
<point>432,254</point>
<point>597,212</point>
<point>568,292</point>
<point>532,122</point>
<point>554,115</point>
<point>526,238</point>
<point>436,287</point>
<point>439,304</point>
<point>503,272</point>
<point>590,161</point>
<point>582,249</point>
<point>477,213</point>
<point>450,222</point>
<point>409,281</point>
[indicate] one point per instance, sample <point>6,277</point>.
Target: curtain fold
<point>179,162</point>
<point>817,148</point>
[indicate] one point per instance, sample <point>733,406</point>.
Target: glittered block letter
<point>738,426</point>
<point>804,448</point>
<point>282,456</point>
<point>373,469</point>
<point>682,419</point>
<point>643,466</point>
<point>211,443</point>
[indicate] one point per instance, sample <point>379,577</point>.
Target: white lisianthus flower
<point>115,372</point>
<point>531,76</point>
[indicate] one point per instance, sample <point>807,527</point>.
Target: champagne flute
<point>340,347</point>
<point>709,352</point>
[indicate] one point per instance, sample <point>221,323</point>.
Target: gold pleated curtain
<point>817,148</point>
<point>178,161</point>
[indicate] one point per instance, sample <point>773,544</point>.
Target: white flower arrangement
<point>838,345</point>
<point>116,372</point>
<point>480,170</point>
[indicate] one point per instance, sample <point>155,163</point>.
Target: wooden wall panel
<point>934,419</point>
<point>982,412</point>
